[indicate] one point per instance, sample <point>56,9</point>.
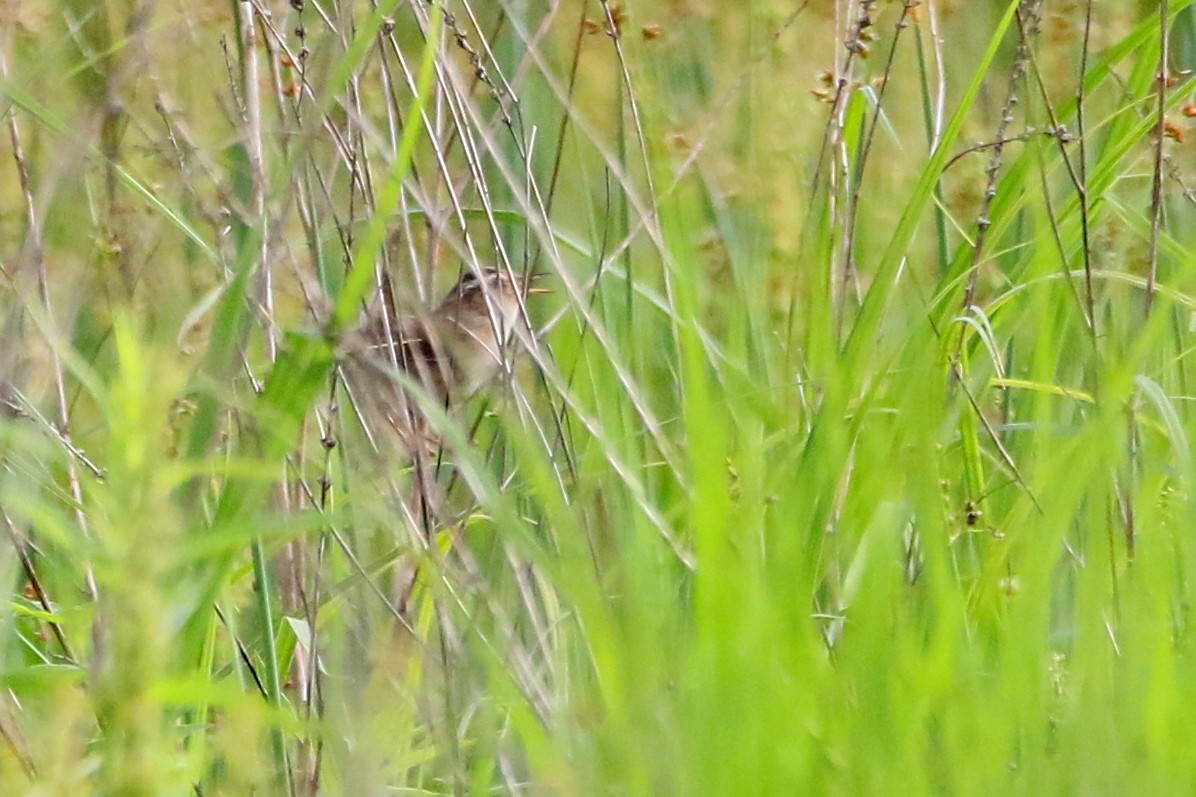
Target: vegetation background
<point>853,453</point>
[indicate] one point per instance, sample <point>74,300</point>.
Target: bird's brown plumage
<point>450,352</point>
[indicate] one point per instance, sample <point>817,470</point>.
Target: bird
<point>450,351</point>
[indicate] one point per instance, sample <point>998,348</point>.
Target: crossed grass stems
<point>480,136</point>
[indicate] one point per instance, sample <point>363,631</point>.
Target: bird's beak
<point>532,290</point>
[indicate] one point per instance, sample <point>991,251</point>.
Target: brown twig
<point>1160,136</point>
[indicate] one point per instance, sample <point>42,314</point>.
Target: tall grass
<point>851,453</point>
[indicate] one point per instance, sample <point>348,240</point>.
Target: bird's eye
<point>472,283</point>
<point>469,282</point>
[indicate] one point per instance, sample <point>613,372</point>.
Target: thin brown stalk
<point>1160,136</point>
<point>861,161</point>
<point>21,546</point>
<point>11,733</point>
<point>1080,176</point>
<point>1028,15</point>
<point>35,246</point>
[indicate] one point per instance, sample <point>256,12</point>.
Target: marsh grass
<point>852,453</point>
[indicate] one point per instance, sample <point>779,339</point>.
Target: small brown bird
<point>452,351</point>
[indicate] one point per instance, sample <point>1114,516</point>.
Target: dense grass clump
<point>850,452</point>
